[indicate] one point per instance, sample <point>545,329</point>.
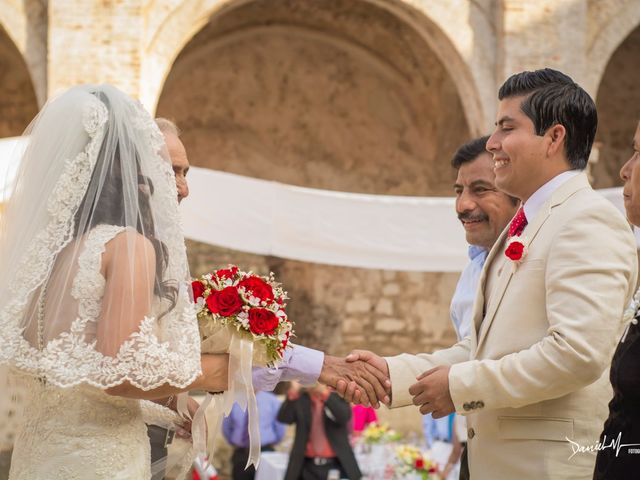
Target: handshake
<point>363,377</point>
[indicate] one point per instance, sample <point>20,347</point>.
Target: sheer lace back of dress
<point>96,174</point>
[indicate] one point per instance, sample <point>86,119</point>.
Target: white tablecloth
<point>273,466</point>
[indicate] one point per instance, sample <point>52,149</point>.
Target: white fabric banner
<point>357,230</point>
<point>320,226</point>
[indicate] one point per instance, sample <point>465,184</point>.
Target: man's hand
<point>350,391</point>
<point>370,384</point>
<point>431,392</point>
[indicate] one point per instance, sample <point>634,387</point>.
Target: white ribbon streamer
<point>240,391</point>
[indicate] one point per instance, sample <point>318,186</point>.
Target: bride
<point>97,329</point>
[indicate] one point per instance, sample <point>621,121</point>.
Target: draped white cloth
<point>336,228</point>
<point>321,226</point>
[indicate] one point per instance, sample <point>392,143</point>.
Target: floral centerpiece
<point>411,461</point>
<point>379,433</point>
<point>230,301</point>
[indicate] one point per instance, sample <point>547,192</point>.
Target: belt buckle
<point>168,438</point>
<point>319,461</point>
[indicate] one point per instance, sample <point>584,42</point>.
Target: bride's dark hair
<point>108,190</point>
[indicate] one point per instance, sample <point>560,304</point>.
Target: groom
<point>531,376</point>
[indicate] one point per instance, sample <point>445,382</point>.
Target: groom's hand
<point>369,382</point>
<point>349,390</point>
<point>431,392</point>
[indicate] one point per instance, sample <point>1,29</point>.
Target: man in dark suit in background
<point>321,443</point>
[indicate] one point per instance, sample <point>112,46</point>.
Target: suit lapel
<point>481,297</point>
<point>502,282</point>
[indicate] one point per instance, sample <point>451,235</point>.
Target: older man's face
<point>180,163</point>
<point>483,210</point>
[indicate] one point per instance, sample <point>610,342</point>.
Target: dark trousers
<point>311,471</point>
<point>239,460</point>
<point>464,464</point>
<point>159,438</point>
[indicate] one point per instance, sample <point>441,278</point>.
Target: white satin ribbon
<point>240,391</point>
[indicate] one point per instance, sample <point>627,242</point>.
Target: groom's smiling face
<point>521,164</point>
<point>483,210</point>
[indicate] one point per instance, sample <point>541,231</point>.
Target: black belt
<point>264,448</point>
<point>321,460</point>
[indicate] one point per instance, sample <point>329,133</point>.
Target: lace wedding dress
<point>82,432</point>
<point>94,291</point>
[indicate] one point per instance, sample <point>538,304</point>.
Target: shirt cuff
<point>299,363</point>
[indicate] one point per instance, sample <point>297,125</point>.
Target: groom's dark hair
<point>553,98</point>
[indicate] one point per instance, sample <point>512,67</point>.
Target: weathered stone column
<point>544,33</point>
<point>95,42</point>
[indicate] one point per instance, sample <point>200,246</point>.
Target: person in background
<point>321,441</point>
<point>361,416</point>
<point>623,423</point>
<point>236,432</point>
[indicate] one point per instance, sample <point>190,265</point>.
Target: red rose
<point>258,288</point>
<point>262,320</point>
<point>225,302</point>
<point>514,251</point>
<point>227,272</point>
<point>198,289</point>
<point>419,463</point>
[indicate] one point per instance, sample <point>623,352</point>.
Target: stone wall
<point>618,103</point>
<point>18,104</point>
<point>95,42</point>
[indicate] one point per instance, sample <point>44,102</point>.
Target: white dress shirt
<point>535,202</point>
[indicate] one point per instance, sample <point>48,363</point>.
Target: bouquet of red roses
<point>232,302</point>
<point>241,314</point>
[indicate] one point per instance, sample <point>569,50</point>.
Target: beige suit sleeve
<point>590,273</point>
<point>404,368</point>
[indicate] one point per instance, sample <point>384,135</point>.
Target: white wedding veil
<point>95,173</point>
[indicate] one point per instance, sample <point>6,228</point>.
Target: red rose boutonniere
<point>516,250</point>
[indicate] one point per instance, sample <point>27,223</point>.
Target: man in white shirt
<point>532,376</point>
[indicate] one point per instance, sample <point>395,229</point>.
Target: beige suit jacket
<point>534,372</point>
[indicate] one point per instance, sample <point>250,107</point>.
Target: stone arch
<point>18,102</point>
<point>612,25</point>
<point>409,78</point>
<point>14,24</point>
<point>463,38</point>
<point>25,24</point>
<point>618,102</point>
